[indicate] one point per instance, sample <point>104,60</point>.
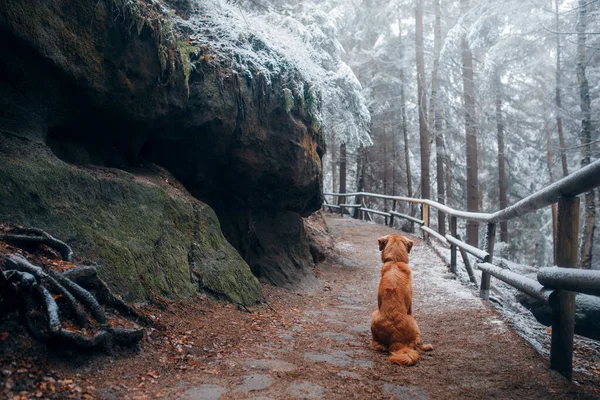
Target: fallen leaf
<point>3,336</point>
<point>153,374</point>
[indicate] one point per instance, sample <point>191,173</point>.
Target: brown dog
<point>393,327</point>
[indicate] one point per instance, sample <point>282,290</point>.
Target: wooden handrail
<point>482,255</point>
<point>408,217</point>
<point>370,210</point>
<point>434,234</point>
<point>578,182</point>
<point>471,216</point>
<point>575,280</point>
<point>556,285</point>
<point>526,285</point>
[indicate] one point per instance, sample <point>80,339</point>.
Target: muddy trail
<point>311,344</point>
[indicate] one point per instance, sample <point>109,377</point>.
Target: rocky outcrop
<point>320,239</point>
<point>109,84</point>
<point>258,166</point>
<point>148,234</point>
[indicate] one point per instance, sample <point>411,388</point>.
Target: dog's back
<point>395,288</point>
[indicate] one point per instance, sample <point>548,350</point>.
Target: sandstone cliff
<point>97,97</point>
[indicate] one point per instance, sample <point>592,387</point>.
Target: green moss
<point>312,103</point>
<point>185,50</point>
<point>218,271</point>
<point>144,238</point>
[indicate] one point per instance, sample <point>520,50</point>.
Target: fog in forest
<point>474,104</point>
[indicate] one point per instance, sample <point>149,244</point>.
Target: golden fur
<point>393,327</point>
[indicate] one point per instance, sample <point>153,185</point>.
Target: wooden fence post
<point>425,218</point>
<point>563,301</point>
<point>364,214</point>
<point>453,232</point>
<point>392,216</point>
<point>468,267</point>
<point>356,210</point>
<point>490,239</point>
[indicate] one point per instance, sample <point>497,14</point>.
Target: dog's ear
<point>382,242</point>
<point>409,245</point>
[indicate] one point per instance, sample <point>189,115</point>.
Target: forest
<point>169,170</point>
<point>503,97</point>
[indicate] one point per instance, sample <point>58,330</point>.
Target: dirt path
<point>314,345</point>
<point>325,353</point>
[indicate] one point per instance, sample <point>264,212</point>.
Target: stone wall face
<point>94,96</point>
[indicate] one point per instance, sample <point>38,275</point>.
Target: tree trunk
<point>501,159</point>
<point>394,132</point>
<point>422,103</point>
<point>342,172</point>
<point>385,165</point>
<point>360,174</point>
<point>549,161</point>
<point>559,124</point>
<point>471,134</point>
<point>589,224</point>
<point>435,118</point>
<point>447,161</point>
<point>409,188</point>
<point>334,162</point>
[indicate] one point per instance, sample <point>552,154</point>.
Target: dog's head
<point>394,248</point>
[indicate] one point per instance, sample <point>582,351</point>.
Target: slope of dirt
<point>306,345</point>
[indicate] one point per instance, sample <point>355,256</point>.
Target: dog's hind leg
<point>403,356</point>
<point>377,346</point>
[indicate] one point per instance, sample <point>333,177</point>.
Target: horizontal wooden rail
<point>573,185</point>
<point>331,206</point>
<point>576,280</point>
<point>408,217</point>
<point>350,205</point>
<point>434,234</point>
<point>578,182</point>
<point>369,210</point>
<point>482,255</point>
<point>480,217</point>
<point>528,286</point>
<point>561,281</point>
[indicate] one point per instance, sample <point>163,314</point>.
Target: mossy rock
<point>145,236</point>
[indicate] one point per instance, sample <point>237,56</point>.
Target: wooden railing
<point>555,286</point>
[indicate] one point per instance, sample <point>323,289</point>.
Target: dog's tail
<point>404,356</point>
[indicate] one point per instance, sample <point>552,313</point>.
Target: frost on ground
<point>449,292</point>
<point>586,352</point>
<point>344,247</point>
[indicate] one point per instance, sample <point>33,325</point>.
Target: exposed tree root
<point>63,308</point>
<point>87,277</point>
<point>23,235</point>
